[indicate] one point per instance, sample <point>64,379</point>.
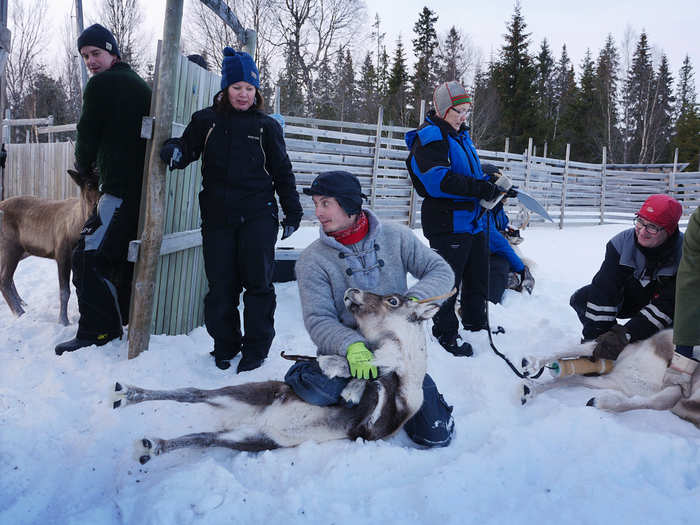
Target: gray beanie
<point>447,95</point>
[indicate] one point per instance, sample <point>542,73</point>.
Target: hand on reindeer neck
<point>360,360</point>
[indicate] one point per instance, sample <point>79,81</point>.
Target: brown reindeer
<point>269,415</point>
<point>45,228</point>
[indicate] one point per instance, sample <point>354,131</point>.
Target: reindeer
<point>269,415</point>
<point>647,374</point>
<point>45,228</point>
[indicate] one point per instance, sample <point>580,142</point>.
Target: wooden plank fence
<point>572,192</point>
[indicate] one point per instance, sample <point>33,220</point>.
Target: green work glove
<point>360,361</point>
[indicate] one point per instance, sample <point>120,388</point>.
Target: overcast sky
<point>672,26</point>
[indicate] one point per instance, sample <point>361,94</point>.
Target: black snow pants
<point>238,258</point>
<point>499,268</point>
<point>101,274</point>
<point>466,254</point>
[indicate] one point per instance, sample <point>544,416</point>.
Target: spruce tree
<point>687,118</point>
<point>606,79</point>
<point>564,98</point>
<point>345,95</point>
<point>398,89</point>
<point>544,92</point>
<point>367,97</point>
<point>424,46</point>
<point>662,115</point>
<point>514,76</point>
<point>325,92</point>
<point>639,100</point>
<point>486,114</point>
<point>451,59</point>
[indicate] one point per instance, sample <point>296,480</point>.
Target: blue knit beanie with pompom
<point>237,66</point>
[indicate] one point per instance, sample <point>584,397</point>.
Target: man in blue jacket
<point>445,170</point>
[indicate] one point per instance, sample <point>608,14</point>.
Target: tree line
<point>623,99</point>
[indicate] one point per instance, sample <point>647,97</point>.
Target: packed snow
<point>67,457</point>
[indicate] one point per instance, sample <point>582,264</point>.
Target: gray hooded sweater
<point>378,263</point>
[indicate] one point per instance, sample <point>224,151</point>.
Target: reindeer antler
<point>438,297</point>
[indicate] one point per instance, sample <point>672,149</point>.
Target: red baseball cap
<point>662,210</point>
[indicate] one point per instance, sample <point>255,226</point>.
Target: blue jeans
<point>431,426</point>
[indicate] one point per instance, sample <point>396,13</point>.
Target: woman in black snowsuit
<point>244,163</point>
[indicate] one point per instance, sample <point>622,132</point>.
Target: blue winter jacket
<point>498,244</point>
<point>445,169</point>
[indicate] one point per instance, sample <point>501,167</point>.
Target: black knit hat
<point>98,36</point>
<point>343,186</point>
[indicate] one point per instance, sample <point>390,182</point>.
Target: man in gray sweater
<point>356,250</point>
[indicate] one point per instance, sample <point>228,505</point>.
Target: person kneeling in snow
<point>636,281</point>
<point>356,250</point>
<point>506,269</point>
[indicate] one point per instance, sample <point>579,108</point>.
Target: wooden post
<point>603,173</point>
<point>672,176</point>
<point>506,150</point>
<point>251,42</point>
<point>145,270</point>
<point>375,163</point>
<point>528,162</point>
<point>277,100</point>
<point>562,206</point>
<point>79,30</point>
<point>414,195</point>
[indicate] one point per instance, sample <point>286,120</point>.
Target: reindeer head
<point>377,314</point>
<point>88,184</point>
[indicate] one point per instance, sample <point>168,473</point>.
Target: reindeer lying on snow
<point>647,374</point>
<point>45,228</point>
<point>269,415</point>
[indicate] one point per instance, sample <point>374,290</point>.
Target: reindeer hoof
<point>144,450</point>
<point>117,404</point>
<point>591,402</point>
<point>117,387</point>
<point>526,394</point>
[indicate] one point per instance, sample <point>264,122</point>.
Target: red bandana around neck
<point>354,233</point>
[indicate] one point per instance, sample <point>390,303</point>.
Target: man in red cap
<point>636,281</point>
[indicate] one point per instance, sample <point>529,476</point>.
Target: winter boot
<point>77,343</point>
<point>454,344</point>
<point>223,354</point>
<point>246,364</point>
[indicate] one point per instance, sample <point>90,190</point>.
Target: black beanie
<point>98,36</point>
<point>343,186</point>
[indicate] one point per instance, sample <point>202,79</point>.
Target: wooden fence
<point>572,192</point>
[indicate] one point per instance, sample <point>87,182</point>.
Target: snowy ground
<point>67,457</point>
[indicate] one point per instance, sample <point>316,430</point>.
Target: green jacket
<point>109,130</point>
<point>686,324</point>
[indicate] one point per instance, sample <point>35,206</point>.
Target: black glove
<point>486,190</point>
<point>288,228</point>
<point>287,231</point>
<point>512,192</point>
<point>611,343</point>
<point>171,155</point>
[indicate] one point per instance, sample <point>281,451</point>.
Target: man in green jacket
<point>686,324</point>
<point>109,146</point>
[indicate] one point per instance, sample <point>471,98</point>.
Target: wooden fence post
<point>152,237</point>
<point>506,150</point>
<point>562,206</point>
<point>375,163</point>
<point>672,175</point>
<point>603,179</point>
<point>414,195</point>
<point>528,162</point>
<point>277,100</point>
